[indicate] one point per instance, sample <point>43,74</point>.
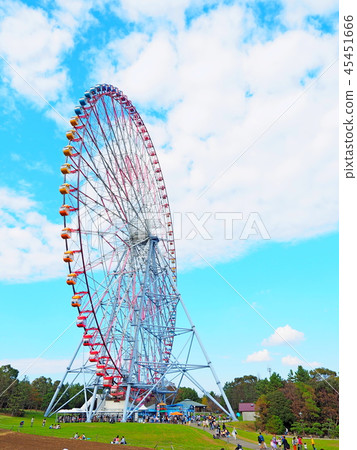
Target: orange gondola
<point>71,279</point>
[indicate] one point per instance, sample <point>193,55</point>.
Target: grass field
<point>160,436</point>
<point>246,431</point>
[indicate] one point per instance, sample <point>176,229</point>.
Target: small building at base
<point>248,411</point>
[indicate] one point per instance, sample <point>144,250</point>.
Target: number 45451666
<point>348,44</point>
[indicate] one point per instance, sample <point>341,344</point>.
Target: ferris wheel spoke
<point>93,204</point>
<point>133,171</point>
<point>109,146</point>
<point>112,181</point>
<point>109,173</point>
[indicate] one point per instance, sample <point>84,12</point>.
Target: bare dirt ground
<point>10,440</point>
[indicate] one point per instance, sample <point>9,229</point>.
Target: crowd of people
<point>78,418</point>
<point>282,443</point>
<point>222,432</point>
<point>205,421</point>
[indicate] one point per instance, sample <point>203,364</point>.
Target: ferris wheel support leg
<point>207,394</point>
<point>92,403</point>
<point>49,408</point>
<point>209,363</point>
<point>125,409</point>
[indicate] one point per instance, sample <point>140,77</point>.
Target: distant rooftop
<point>187,401</point>
<point>246,407</point>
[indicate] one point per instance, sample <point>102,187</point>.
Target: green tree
<point>297,428</point>
<point>294,396</point>
<point>316,429</point>
<point>275,382</point>
<point>77,394</point>
<point>275,425</point>
<point>329,428</point>
<point>291,376</point>
<point>262,386</point>
<point>18,400</point>
<point>42,391</point>
<point>8,380</point>
<point>187,393</point>
<point>301,375</point>
<point>310,411</point>
<point>327,398</point>
<point>242,389</point>
<point>262,411</point>
<point>265,386</point>
<point>280,406</point>
<point>211,405</point>
<point>321,373</point>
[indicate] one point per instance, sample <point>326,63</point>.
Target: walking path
<point>230,440</point>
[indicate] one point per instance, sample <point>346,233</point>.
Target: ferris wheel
<point>119,251</point>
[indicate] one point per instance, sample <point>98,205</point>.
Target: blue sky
<point>188,69</point>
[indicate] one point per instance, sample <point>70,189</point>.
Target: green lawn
<point>243,429</point>
<point>146,435</point>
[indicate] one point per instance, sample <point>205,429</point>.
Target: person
<point>75,436</point>
<point>83,437</point>
<point>305,446</point>
<point>285,443</point>
<point>123,441</point>
<point>239,447</point>
<point>294,442</point>
<point>32,421</point>
<point>115,440</point>
<point>261,441</point>
<point>273,444</point>
<point>22,423</point>
<point>44,422</point>
<point>312,443</point>
<point>234,434</point>
<point>299,439</point>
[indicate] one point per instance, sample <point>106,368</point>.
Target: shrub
<point>275,425</point>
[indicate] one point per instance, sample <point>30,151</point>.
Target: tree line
<point>18,395</point>
<point>305,403</point>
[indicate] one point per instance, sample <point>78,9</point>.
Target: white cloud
<point>295,11</point>
<point>30,247</point>
<point>34,42</point>
<point>294,361</point>
<point>283,335</point>
<point>219,94</point>
<point>222,96</point>
<point>37,367</point>
<point>259,356</point>
<point>155,10</point>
